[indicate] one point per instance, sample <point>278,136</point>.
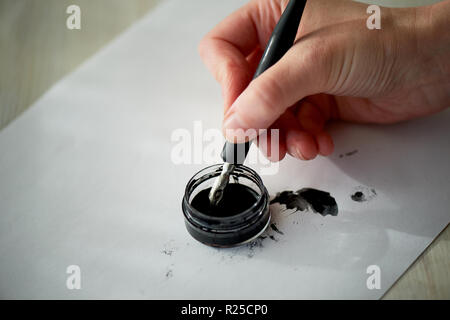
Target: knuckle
<point>317,59</point>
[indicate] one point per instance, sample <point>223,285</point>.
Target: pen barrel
<point>280,42</point>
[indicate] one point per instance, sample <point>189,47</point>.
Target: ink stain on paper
<point>167,252</point>
<point>273,238</point>
<point>363,194</point>
<point>169,249</point>
<point>318,201</point>
<point>258,243</point>
<point>253,245</point>
<point>274,228</point>
<point>358,196</point>
<point>348,154</point>
<point>169,274</point>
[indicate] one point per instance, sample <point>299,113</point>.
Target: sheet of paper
<point>87,179</point>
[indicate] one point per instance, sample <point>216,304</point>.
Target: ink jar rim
<point>232,230</point>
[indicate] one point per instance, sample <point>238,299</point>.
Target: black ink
<point>274,228</point>
<point>167,252</point>
<point>348,154</point>
<point>363,194</point>
<point>291,200</point>
<point>257,243</point>
<point>236,199</point>
<point>273,238</point>
<point>319,201</point>
<point>358,196</point>
<point>240,217</point>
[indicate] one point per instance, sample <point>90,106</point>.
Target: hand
<point>337,69</point>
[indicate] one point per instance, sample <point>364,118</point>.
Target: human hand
<point>337,69</point>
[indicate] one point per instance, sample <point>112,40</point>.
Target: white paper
<point>86,179</point>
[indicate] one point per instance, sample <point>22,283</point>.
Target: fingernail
<point>229,111</point>
<point>298,154</point>
<point>232,122</point>
<point>232,127</point>
<point>236,130</point>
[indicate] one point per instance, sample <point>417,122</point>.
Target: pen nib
<point>216,193</point>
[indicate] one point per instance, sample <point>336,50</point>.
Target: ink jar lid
<point>243,216</point>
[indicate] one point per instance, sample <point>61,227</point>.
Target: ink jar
<point>242,215</point>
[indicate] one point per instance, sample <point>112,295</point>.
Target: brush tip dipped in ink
<point>241,216</point>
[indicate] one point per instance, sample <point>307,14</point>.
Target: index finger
<point>225,49</point>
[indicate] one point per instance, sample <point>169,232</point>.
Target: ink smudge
<point>291,200</point>
<point>169,249</point>
<point>167,252</point>
<point>252,245</point>
<point>358,196</point>
<point>274,228</point>
<point>319,201</point>
<point>348,154</point>
<point>273,238</point>
<point>363,194</point>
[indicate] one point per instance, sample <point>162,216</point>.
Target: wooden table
<point>38,50</point>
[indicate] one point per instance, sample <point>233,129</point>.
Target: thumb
<point>302,71</point>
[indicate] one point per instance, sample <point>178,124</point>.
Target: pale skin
<point>337,69</point>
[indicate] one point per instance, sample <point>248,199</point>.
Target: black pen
<point>280,42</point>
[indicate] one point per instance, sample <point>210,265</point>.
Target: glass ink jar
<point>242,215</point>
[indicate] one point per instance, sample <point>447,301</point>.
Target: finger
<point>228,65</point>
<point>301,72</point>
<point>325,143</point>
<point>272,143</point>
<point>310,117</point>
<point>225,48</point>
<point>299,143</point>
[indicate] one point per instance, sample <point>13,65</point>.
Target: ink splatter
<point>363,194</point>
<point>167,252</point>
<point>258,243</point>
<point>319,201</point>
<point>348,154</point>
<point>274,228</point>
<point>358,196</point>
<point>252,245</point>
<point>291,200</point>
<point>169,249</point>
